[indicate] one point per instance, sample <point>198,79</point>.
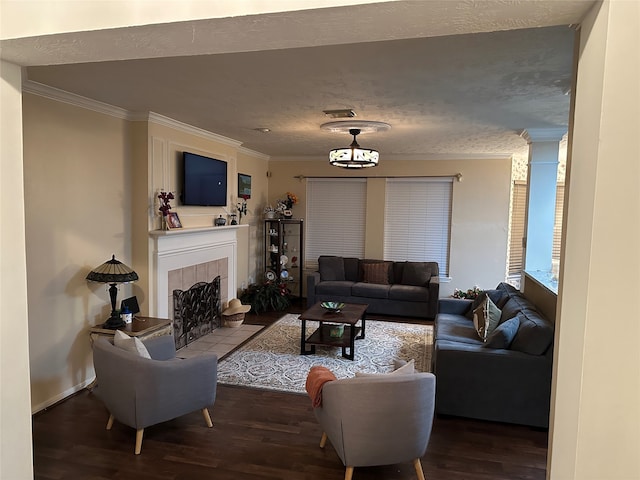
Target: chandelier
<point>354,156</point>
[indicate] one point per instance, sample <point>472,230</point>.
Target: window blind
<point>336,212</point>
<point>518,214</point>
<point>417,221</point>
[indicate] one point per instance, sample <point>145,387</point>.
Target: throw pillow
<point>406,369</point>
<point>504,334</point>
<point>375,273</point>
<point>130,344</point>
<point>486,318</point>
<point>331,268</point>
<point>498,297</point>
<point>416,273</point>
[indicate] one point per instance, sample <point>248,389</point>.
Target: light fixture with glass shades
<point>354,156</point>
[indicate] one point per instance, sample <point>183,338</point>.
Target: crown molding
<point>186,128</point>
<point>253,153</point>
<point>35,88</point>
<point>543,134</point>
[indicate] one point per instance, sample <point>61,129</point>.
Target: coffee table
<point>349,316</point>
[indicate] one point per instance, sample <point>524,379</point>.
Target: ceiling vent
<point>344,113</point>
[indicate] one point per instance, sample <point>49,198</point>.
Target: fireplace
<point>196,311</point>
<point>185,257</point>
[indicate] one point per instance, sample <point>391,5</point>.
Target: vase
<point>163,223</point>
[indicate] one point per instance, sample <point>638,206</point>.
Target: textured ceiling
<point>468,94</point>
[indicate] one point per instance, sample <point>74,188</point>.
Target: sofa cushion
<point>376,273</point>
<point>511,308</point>
<point>396,272</point>
<point>416,273</point>
<point>334,288</point>
<point>456,328</point>
<point>370,290</point>
<point>352,269</point>
<point>504,334</point>
<point>409,293</point>
<point>486,318</point>
<point>535,333</point>
<point>331,268</point>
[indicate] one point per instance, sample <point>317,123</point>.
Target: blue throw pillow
<point>504,334</point>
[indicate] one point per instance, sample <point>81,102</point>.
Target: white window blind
<point>518,213</point>
<point>335,224</point>
<point>417,220</point>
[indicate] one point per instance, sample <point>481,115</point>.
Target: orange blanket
<point>316,378</point>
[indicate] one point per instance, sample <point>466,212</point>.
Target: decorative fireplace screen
<point>196,311</point>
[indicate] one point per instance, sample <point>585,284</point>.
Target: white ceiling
<point>467,91</point>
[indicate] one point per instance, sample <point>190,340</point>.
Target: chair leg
<point>110,422</point>
<point>418,466</point>
<point>323,440</point>
<point>139,434</point>
<point>348,473</point>
<point>207,417</point>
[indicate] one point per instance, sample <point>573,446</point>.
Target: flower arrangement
<point>287,203</point>
<point>165,206</point>
<point>241,208</point>
<point>470,294</point>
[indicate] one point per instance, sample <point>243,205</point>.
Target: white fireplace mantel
<point>180,248</point>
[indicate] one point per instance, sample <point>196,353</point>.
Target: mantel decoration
<point>241,208</point>
<point>165,206</point>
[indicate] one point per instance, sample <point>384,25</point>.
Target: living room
<point>75,216</point>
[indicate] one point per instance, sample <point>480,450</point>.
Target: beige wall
<point>78,213</point>
<point>480,210</point>
<point>15,411</point>
<point>595,430</point>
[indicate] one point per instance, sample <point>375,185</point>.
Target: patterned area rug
<point>272,359</point>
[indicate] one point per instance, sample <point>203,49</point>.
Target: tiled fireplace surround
<point>187,256</point>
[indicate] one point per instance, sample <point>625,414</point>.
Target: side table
<point>141,327</point>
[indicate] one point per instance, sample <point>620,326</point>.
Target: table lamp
<point>113,272</point>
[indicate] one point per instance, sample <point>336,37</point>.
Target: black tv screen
<point>205,181</point>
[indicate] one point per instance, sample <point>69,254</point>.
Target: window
<point>518,213</point>
<point>417,220</point>
<point>336,212</point>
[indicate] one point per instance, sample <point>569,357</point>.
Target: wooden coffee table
<point>349,316</point>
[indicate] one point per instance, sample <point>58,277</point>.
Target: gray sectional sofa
<point>390,288</point>
<point>505,379</point>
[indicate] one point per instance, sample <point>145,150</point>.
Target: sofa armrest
<point>313,279</point>
<point>455,306</point>
<point>434,295</point>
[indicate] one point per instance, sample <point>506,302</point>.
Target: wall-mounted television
<point>205,181</point>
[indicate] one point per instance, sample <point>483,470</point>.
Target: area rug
<point>272,359</point>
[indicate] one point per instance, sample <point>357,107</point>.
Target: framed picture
<point>244,186</point>
<point>173,221</point>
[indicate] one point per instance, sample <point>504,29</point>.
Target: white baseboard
<point>61,396</point>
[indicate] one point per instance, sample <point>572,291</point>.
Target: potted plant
<point>270,295</point>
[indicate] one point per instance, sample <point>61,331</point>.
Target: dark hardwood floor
<point>266,435</point>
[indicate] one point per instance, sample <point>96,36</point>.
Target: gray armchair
<point>141,392</point>
<point>379,420</point>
